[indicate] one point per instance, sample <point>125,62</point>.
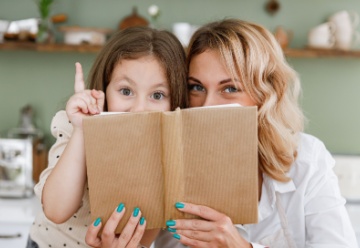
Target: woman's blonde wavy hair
<point>253,56</point>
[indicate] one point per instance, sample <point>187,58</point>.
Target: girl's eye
<point>195,87</point>
<point>231,89</point>
<point>158,95</point>
<point>126,92</point>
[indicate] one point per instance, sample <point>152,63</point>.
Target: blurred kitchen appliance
<point>23,156</point>
<point>16,168</point>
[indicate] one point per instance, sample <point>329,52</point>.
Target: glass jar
<point>45,32</point>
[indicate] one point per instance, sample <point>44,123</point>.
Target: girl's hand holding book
<point>130,236</point>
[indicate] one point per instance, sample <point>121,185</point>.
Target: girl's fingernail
<point>179,205</point>
<point>97,221</point>
<point>120,207</point>
<point>142,220</point>
<point>136,212</point>
<point>177,236</point>
<point>171,229</point>
<point>171,223</point>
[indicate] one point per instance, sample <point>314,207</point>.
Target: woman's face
<point>211,84</point>
<point>138,85</point>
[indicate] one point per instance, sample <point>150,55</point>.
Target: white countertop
<point>23,211</point>
<point>19,210</point>
<point>354,213</point>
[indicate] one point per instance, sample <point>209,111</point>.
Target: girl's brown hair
<point>137,42</point>
<point>252,55</point>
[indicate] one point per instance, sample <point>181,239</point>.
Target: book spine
<point>172,161</point>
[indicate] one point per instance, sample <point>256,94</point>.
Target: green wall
<point>331,86</point>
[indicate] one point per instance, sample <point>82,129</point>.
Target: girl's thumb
<point>100,99</point>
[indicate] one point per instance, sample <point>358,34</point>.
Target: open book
<point>152,160</point>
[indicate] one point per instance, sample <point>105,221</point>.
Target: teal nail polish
<point>171,229</point>
<point>171,223</point>
<point>179,205</point>
<point>136,212</point>
<point>120,207</point>
<point>97,221</point>
<point>177,236</point>
<point>142,220</point>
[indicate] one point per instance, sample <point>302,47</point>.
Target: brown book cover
<point>152,160</point>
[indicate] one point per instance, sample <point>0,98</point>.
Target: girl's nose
<point>139,106</point>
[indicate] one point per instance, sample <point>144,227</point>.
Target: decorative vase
<point>154,13</point>
<point>155,23</point>
<point>45,32</point>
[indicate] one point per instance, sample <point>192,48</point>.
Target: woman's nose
<point>211,100</point>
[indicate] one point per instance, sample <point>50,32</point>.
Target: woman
<point>300,204</point>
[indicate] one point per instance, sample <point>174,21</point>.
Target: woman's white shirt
<point>313,206</point>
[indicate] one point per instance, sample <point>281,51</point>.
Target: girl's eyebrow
<point>161,84</point>
<point>124,78</point>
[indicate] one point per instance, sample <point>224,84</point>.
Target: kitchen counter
<point>16,218</point>
<point>353,209</point>
<point>17,215</point>
<point>13,210</point>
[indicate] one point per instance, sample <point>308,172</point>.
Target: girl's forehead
<point>140,57</point>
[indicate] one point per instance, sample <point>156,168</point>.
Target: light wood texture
<point>85,29</point>
<point>85,48</point>
<point>50,47</point>
<point>320,53</point>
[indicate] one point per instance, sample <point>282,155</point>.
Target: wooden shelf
<point>31,46</point>
<point>320,53</point>
<point>289,52</point>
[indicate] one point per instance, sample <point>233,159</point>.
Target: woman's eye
<point>125,92</point>
<point>158,95</point>
<point>195,87</point>
<point>231,89</point>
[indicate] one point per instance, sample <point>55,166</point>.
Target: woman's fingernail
<point>171,229</point>
<point>136,212</point>
<point>171,223</point>
<point>177,236</point>
<point>179,205</point>
<point>120,207</point>
<point>142,220</point>
<point>97,221</point>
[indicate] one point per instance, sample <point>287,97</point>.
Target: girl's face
<point>138,85</point>
<point>211,84</point>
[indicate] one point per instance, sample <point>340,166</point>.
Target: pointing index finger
<point>79,78</point>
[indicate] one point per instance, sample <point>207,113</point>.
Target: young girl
<point>139,69</point>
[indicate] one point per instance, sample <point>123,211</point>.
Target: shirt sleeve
<point>327,221</point>
<point>61,129</point>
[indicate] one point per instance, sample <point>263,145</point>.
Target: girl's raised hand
<point>130,236</point>
<point>84,102</point>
